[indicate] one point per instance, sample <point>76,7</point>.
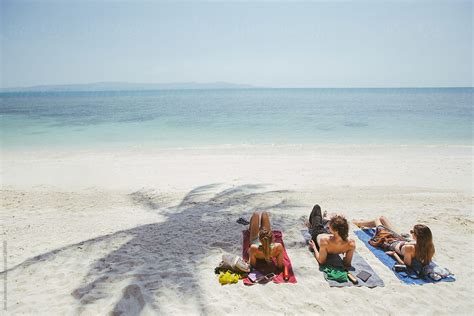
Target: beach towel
<point>358,265</point>
<point>262,268</point>
<point>366,234</point>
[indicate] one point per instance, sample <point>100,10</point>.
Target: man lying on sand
<point>261,237</point>
<point>331,239</point>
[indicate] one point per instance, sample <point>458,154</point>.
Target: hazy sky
<point>307,44</point>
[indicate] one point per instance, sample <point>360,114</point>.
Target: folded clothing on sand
<point>335,274</point>
<point>262,267</point>
<point>358,265</point>
<point>406,277</point>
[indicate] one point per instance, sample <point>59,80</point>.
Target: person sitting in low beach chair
<point>330,236</point>
<point>420,248</point>
<point>261,241</point>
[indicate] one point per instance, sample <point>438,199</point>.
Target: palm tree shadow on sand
<point>162,257</point>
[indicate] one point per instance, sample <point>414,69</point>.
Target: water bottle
<point>286,275</point>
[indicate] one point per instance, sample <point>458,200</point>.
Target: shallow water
<point>185,118</point>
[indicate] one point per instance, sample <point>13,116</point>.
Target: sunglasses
<point>412,232</point>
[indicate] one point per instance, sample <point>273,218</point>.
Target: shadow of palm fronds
<point>163,257</point>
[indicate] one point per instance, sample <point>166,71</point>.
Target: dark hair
<point>424,248</point>
<point>340,225</point>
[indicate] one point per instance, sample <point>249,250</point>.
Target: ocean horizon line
<point>14,91</point>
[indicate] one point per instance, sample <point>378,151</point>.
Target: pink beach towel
<point>265,268</point>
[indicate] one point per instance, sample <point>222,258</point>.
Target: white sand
<point>141,230</point>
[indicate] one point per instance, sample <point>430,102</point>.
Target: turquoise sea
<point>190,118</point>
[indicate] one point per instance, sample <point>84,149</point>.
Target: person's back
<point>335,245</point>
<point>333,240</point>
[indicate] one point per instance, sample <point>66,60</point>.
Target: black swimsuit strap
<point>399,247</point>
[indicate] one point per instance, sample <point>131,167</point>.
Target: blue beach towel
<point>358,265</point>
<point>389,261</point>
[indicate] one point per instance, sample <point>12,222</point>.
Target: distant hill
<point>119,86</point>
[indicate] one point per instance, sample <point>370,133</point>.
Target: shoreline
<point>261,147</point>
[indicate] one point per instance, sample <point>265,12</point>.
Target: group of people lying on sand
<point>330,236</point>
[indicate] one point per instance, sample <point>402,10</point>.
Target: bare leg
<point>368,224</point>
<point>254,226</point>
<point>254,229</point>
<point>253,255</point>
<point>278,253</point>
<point>382,220</point>
<point>385,222</point>
<point>266,221</point>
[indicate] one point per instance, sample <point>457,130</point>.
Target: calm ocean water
<point>182,118</point>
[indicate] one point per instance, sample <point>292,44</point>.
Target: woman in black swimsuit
<point>420,248</point>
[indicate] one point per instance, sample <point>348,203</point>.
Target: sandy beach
<point>140,230</point>
<point>137,138</point>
